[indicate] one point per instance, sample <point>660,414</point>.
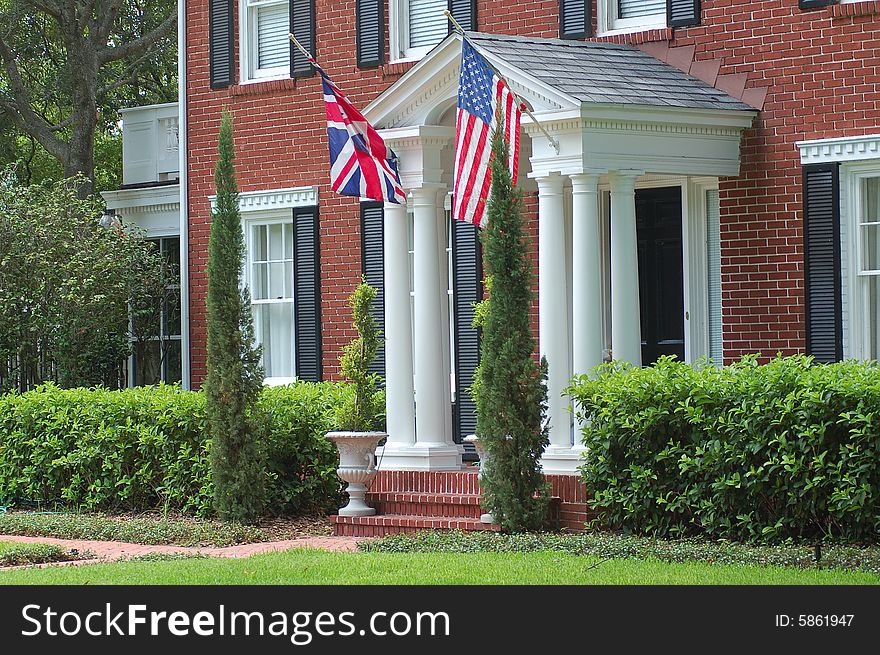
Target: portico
<point>645,124</point>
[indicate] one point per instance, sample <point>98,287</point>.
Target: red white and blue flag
<point>360,162</point>
<point>485,103</point>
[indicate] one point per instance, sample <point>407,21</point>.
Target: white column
<point>553,321</point>
<point>586,287</point>
<point>400,411</point>
<point>626,339</point>
<point>444,305</point>
<point>586,274</point>
<point>433,440</point>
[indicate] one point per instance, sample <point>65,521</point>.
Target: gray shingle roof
<point>605,73</point>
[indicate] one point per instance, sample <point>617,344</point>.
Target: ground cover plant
<point>147,448</point>
<point>158,529</point>
<point>608,545</point>
<point>763,453</point>
<point>18,554</point>
<point>326,568</point>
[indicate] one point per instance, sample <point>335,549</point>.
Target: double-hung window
<point>265,47</point>
<point>270,277</point>
<point>416,27</point>
<point>156,340</point>
<point>866,296</point>
<point>631,15</point>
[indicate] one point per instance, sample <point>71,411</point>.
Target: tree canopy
<point>66,68</point>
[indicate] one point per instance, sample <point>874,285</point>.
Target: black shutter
<point>302,26</point>
<point>822,262</point>
<point>465,12</point>
<point>307,294</point>
<point>373,262</point>
<point>370,33</point>
<point>220,42</point>
<point>575,19</point>
<point>815,4</point>
<point>682,13</point>
<point>467,285</point>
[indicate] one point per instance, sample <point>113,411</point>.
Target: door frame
<point>695,272</point>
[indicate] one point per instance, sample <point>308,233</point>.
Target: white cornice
<point>850,148</point>
<point>147,199</point>
<point>272,199</point>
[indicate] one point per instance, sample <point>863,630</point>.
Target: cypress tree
<point>510,388</point>
<point>235,377</point>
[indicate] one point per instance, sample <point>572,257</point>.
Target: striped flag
<point>360,162</point>
<point>480,93</point>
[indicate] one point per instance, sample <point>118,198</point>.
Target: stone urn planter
<point>483,454</point>
<point>357,467</point>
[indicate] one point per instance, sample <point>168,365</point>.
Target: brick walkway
<point>113,550</point>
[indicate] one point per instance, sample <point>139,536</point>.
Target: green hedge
<point>146,448</point>
<point>789,449</point>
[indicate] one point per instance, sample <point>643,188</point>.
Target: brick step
<point>411,503</point>
<point>379,525</point>
<point>428,482</point>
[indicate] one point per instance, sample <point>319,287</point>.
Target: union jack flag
<point>360,162</point>
<point>483,97</point>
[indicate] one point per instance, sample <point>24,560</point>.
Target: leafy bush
<point>789,449</point>
<point>147,448</point>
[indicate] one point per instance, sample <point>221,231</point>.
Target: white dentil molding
<point>272,199</point>
<point>842,149</point>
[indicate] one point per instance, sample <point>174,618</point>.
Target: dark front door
<point>661,277</point>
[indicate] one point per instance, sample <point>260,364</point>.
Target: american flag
<point>480,92</point>
<point>360,162</point>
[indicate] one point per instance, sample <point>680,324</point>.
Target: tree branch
<point>20,110</point>
<point>137,46</point>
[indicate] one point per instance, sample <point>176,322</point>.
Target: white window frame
<point>609,24</point>
<point>248,44</point>
<point>250,221</point>
<point>398,34</point>
<point>857,319</point>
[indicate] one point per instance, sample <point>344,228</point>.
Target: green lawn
<point>319,567</point>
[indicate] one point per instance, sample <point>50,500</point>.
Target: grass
<point>300,567</point>
<point>153,529</point>
<point>607,545</point>
<point>17,554</point>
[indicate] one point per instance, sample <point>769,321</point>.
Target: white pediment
<point>427,90</point>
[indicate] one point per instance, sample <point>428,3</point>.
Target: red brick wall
<point>822,67</point>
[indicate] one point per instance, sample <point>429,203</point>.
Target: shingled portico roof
<point>605,73</point>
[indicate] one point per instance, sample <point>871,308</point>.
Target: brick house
<point>711,187</point>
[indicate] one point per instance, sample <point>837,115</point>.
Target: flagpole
<point>552,140</point>
<point>301,48</point>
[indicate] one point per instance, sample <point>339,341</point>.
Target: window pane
<point>274,328</point>
<point>872,288</point>
<point>871,201</point>
<point>637,8</point>
<point>171,250</point>
<point>172,363</point>
<point>171,315</point>
<point>273,48</point>
<point>259,245</point>
<point>260,282</point>
<point>870,247</point>
<point>276,280</point>
<point>147,363</point>
<point>275,245</point>
<point>288,241</point>
<point>427,24</point>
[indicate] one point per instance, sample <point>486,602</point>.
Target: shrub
<point>147,448</point>
<point>509,387</point>
<point>789,449</point>
<point>235,377</point>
